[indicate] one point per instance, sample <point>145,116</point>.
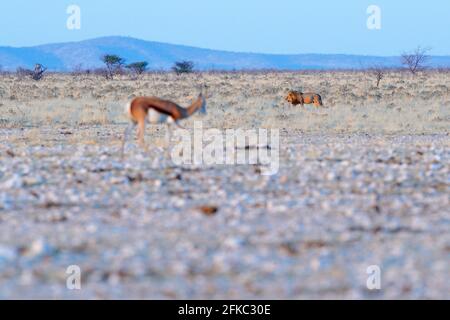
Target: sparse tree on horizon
<point>77,70</point>
<point>414,61</point>
<point>379,72</point>
<point>113,63</point>
<point>137,68</point>
<point>36,74</point>
<point>185,66</point>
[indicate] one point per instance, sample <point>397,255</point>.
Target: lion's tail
<point>319,97</point>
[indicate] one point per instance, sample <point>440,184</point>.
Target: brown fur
<point>140,106</point>
<point>296,98</point>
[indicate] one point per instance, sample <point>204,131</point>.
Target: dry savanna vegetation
<point>403,103</point>
<point>363,181</point>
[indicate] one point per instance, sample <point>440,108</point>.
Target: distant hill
<point>161,56</point>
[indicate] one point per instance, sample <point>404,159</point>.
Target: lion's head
<point>294,97</point>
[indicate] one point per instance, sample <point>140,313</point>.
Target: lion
<point>296,98</point>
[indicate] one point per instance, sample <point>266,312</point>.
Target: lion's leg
<point>319,100</point>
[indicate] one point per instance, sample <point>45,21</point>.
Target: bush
<point>102,72</point>
<point>379,72</point>
<point>36,74</point>
<point>137,68</point>
<point>183,67</point>
<point>23,72</point>
<point>77,70</point>
<point>113,63</point>
<point>414,61</point>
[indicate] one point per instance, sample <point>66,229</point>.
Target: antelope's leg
<point>168,138</point>
<point>179,125</point>
<point>168,134</point>
<point>141,133</point>
<point>126,134</point>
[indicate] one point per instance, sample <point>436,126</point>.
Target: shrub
<point>414,61</point>
<point>36,74</point>
<point>183,67</point>
<point>137,68</point>
<point>113,63</point>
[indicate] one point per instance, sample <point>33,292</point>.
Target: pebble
<point>338,205</point>
<point>7,254</point>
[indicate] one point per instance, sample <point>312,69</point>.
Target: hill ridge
<point>65,56</point>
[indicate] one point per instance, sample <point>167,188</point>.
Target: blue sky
<point>277,26</point>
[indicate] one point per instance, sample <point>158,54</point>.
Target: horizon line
<point>210,49</point>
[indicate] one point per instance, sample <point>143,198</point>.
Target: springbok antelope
<point>157,111</point>
<point>296,97</point>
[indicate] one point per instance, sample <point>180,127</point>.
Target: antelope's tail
<point>128,109</point>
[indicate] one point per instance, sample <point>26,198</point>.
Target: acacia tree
<point>414,61</point>
<point>137,68</point>
<point>379,72</point>
<point>183,67</point>
<point>113,63</point>
<point>38,72</point>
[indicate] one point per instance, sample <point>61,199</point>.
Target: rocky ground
<point>144,228</point>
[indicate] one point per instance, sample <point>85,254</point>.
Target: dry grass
<point>339,203</point>
<point>402,104</point>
